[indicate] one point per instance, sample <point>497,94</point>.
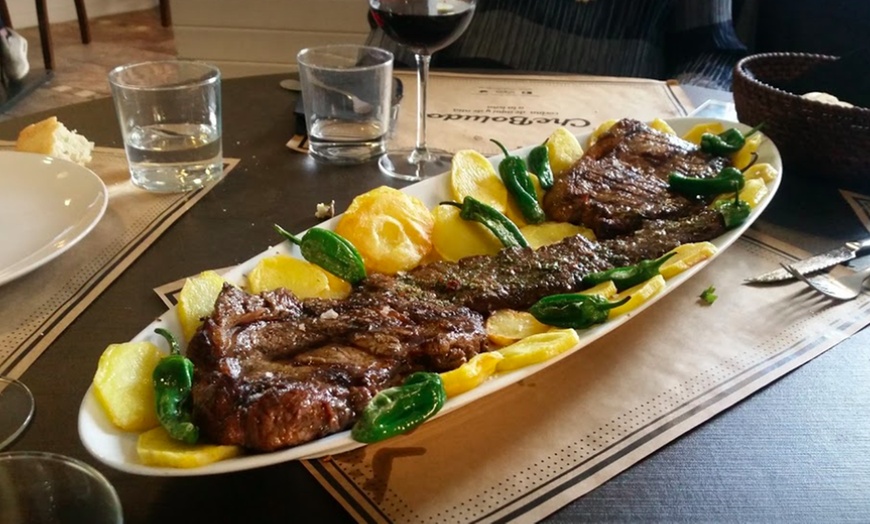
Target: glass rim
<point>387,56</point>
<point>14,382</point>
<point>213,75</point>
<point>94,473</point>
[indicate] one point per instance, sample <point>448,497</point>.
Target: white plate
<point>117,449</point>
<point>46,206</point>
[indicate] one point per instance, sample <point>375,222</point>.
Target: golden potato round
<point>563,150</point>
<point>124,387</point>
<point>551,232</point>
<point>471,174</point>
<point>196,300</point>
<point>507,326</point>
<point>454,237</point>
<point>157,448</point>
<point>303,278</point>
<point>391,230</point>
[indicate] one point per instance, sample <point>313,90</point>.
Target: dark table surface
<point>799,450</point>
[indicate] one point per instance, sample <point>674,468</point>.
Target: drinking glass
<point>424,26</point>
<point>170,117</point>
<point>47,488</point>
<point>16,409</point>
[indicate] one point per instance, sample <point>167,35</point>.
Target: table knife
<point>847,252</point>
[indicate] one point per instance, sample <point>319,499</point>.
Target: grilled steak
<point>622,181</point>
<point>274,371</point>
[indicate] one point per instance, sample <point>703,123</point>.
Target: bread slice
<point>50,137</point>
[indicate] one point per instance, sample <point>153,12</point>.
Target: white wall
<point>23,12</point>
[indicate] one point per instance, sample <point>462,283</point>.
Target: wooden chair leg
<point>44,34</point>
<point>84,25</point>
<point>4,12</point>
<point>165,13</point>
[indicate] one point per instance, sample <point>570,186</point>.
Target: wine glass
<point>16,409</point>
<point>424,26</point>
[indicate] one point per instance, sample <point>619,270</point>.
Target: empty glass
<point>47,488</point>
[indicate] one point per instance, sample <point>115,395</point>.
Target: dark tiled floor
<point>80,70</point>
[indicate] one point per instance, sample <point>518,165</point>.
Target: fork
<point>845,288</point>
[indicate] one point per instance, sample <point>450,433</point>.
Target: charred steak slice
<point>622,181</point>
<point>273,371</point>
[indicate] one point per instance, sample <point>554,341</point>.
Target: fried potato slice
<point>600,130</point>
<point>694,135</point>
<point>660,125</point>
<point>157,448</point>
<point>507,326</point>
<point>471,374</point>
<point>605,290</point>
<point>196,300</point>
<point>639,294</point>
<point>743,157</point>
<point>563,150</point>
<point>124,387</point>
<point>763,171</point>
<point>471,174</point>
<point>537,348</point>
<point>454,237</point>
<point>551,232</point>
<point>303,278</point>
<point>392,230</point>
<point>753,192</point>
<point>687,256</point>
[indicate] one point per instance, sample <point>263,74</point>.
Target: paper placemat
<point>466,110</point>
<point>526,451</point>
<point>36,308</point>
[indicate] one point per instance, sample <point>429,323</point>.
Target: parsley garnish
<point>709,295</point>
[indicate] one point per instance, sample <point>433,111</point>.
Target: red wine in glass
<point>423,26</point>
<point>422,29</point>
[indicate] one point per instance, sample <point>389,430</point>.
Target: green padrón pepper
<point>400,409</point>
<point>539,164</point>
<point>573,310</point>
<point>727,142</point>
<point>501,226</point>
<point>173,380</point>
<point>628,276</point>
<point>515,176</point>
<point>694,186</point>
<point>734,212</point>
<point>329,250</point>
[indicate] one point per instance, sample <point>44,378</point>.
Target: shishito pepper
<point>173,381</point>
<point>727,142</point>
<point>471,374</point>
<point>734,212</point>
<point>695,186</point>
<point>501,226</point>
<point>513,173</point>
<point>628,276</point>
<point>329,250</point>
<point>539,164</point>
<point>572,310</point>
<point>400,409</point>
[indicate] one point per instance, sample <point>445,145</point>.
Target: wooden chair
<point>84,25</point>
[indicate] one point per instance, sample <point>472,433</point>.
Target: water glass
<point>170,117</point>
<point>47,488</point>
<point>347,93</point>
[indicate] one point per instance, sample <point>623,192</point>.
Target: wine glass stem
<point>422,85</point>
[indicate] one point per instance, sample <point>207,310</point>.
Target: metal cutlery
<point>831,258</point>
<point>844,288</point>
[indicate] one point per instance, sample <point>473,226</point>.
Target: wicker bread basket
<point>813,137</point>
